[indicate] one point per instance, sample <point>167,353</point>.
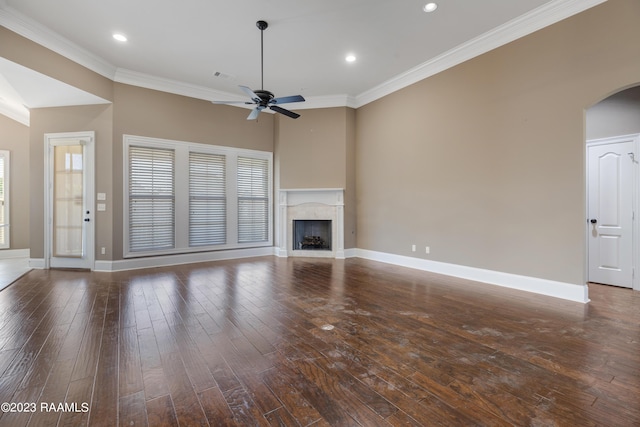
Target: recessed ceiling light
<point>430,7</point>
<point>350,58</point>
<point>120,37</point>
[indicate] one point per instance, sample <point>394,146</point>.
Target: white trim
<point>19,114</point>
<point>350,253</point>
<point>635,232</point>
<point>539,18</point>
<point>568,291</point>
<point>14,253</point>
<point>38,263</point>
<point>179,259</point>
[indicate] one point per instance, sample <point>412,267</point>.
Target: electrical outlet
<point>413,248</point>
<point>427,249</point>
<point>103,250</point>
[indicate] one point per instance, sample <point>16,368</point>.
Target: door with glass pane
<point>70,216</point>
<point>4,198</point>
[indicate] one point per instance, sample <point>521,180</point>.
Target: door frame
<point>88,141</point>
<point>635,203</point>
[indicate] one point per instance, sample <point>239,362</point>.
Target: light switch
<point>102,196</point>
<point>102,207</point>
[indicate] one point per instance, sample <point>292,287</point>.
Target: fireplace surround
<point>320,205</point>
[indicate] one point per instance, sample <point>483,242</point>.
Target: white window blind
<point>151,199</point>
<point>253,200</point>
<point>207,199</point>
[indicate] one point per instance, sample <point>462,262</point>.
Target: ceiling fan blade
<point>287,99</point>
<point>232,102</point>
<point>254,114</point>
<point>251,93</point>
<point>285,112</point>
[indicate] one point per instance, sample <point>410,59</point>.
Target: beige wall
<point>616,115</point>
<point>485,162</point>
<point>14,137</point>
<point>312,149</point>
<point>317,150</point>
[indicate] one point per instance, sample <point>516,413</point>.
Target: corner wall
<point>317,150</point>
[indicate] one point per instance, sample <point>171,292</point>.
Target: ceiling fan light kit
<point>263,98</point>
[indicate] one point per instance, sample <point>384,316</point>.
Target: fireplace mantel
<point>311,203</point>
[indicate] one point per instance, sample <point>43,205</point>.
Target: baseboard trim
<point>37,263</point>
<point>168,260</point>
<point>351,253</point>
<point>567,291</point>
<point>14,253</point>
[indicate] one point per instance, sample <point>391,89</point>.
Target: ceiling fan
<point>263,98</point>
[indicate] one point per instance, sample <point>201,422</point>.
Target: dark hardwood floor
<point>250,342</point>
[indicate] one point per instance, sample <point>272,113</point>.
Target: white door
<point>610,170</point>
<point>69,229</point>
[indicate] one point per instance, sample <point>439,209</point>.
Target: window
<point>185,197</point>
<point>4,199</point>
<point>151,199</point>
<point>207,199</point>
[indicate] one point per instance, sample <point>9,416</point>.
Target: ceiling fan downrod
<point>262,25</point>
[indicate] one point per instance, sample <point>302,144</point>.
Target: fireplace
<point>311,223</point>
<point>312,234</point>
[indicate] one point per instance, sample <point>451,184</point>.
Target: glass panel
<point>3,220</point>
<point>68,201</point>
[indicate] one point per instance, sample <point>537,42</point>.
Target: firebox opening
<point>314,235</point>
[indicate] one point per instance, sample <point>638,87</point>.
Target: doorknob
<point>593,221</point>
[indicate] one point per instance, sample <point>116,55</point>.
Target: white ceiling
<point>178,46</point>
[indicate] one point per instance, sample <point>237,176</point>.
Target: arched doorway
<point>613,189</point>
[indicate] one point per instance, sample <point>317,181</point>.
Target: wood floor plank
<point>153,378</point>
<point>54,392</point>
<point>79,392</point>
<point>244,342</point>
<point>104,404</point>
<point>160,412</point>
<point>133,411</point>
<point>130,372</point>
<point>216,408</point>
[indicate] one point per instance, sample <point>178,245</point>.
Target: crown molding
<point>32,30</point>
<point>535,20</point>
<point>176,87</point>
<point>328,101</point>
<point>524,25</point>
<point>21,116</point>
